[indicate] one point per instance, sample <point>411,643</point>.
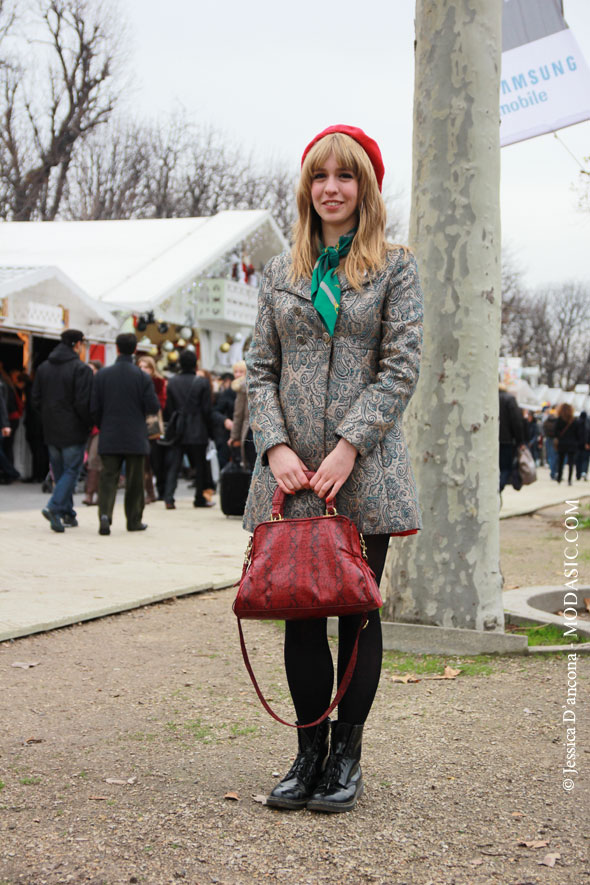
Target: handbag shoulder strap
<point>341,688</point>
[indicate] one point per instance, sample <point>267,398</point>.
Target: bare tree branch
<point>75,38</point>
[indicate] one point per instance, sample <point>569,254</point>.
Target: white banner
<point>545,86</point>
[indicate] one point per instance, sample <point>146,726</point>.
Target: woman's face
<point>334,194</point>
<point>145,367</point>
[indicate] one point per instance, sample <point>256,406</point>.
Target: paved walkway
<point>49,580</point>
<point>542,493</point>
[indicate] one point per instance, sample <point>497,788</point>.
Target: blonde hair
<point>369,247</point>
<point>565,412</point>
<point>146,358</point>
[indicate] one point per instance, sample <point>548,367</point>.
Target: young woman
<point>333,363</point>
<point>566,434</point>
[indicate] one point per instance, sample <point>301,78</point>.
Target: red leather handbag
<point>314,567</point>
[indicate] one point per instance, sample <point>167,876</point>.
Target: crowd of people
<point>555,437</point>
<point>108,426</point>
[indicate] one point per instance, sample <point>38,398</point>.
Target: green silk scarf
<point>325,285</point>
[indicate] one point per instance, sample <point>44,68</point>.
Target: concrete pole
<point>449,575</point>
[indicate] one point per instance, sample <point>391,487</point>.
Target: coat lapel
<point>302,288</point>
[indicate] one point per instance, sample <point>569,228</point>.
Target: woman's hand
<point>334,470</point>
<point>288,469</point>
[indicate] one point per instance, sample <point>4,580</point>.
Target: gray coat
<point>307,390</point>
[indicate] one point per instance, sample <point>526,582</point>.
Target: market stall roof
<point>51,283</point>
<point>135,264</point>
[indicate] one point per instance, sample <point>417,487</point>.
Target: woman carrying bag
<point>566,440</point>
<point>333,362</point>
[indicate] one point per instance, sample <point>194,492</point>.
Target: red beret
<point>369,145</point>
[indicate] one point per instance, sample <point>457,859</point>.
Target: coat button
<point>326,337</point>
<point>300,339</point>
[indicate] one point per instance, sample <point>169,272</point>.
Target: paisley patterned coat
<point>307,390</point>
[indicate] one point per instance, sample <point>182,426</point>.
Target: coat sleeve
<point>96,401</point>
<point>517,427</point>
<point>238,418</point>
<point>382,403</point>
<point>263,362</point>
<point>4,419</point>
<point>83,392</point>
<point>170,400</point>
<point>206,409</point>
<point>36,392</point>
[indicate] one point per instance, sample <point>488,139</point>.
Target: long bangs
<point>348,154</point>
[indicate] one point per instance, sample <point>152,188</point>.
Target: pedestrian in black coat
<point>190,394</point>
<point>511,432</point>
<point>583,456</point>
<point>61,394</point>
<point>222,413</point>
<point>122,396</point>
<point>7,472</point>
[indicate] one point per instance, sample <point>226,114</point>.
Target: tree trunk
<point>449,574</point>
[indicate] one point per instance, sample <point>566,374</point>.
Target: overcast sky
<point>271,75</point>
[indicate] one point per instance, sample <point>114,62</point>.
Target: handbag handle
<point>341,688</point>
<point>279,497</point>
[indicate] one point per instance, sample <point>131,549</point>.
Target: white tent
<point>138,264</point>
<point>179,268</point>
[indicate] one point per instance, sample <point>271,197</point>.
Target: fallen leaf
<point>99,798</point>
<point>407,677</point>
<point>477,862</point>
<point>537,843</point>
<point>233,796</point>
<point>258,797</point>
<point>517,814</point>
<point>587,603</point>
<point>511,586</point>
<point>448,673</point>
<point>115,780</point>
<point>34,741</point>
<point>25,665</point>
<point>549,859</point>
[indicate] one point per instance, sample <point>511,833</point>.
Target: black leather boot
<point>342,781</point>
<point>300,781</point>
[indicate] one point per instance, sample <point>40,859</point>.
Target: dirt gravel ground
<point>119,748</point>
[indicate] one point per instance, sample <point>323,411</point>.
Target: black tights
<point>571,457</point>
<point>308,661</point>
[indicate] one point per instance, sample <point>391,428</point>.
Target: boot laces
<point>303,765</point>
<point>333,770</point>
